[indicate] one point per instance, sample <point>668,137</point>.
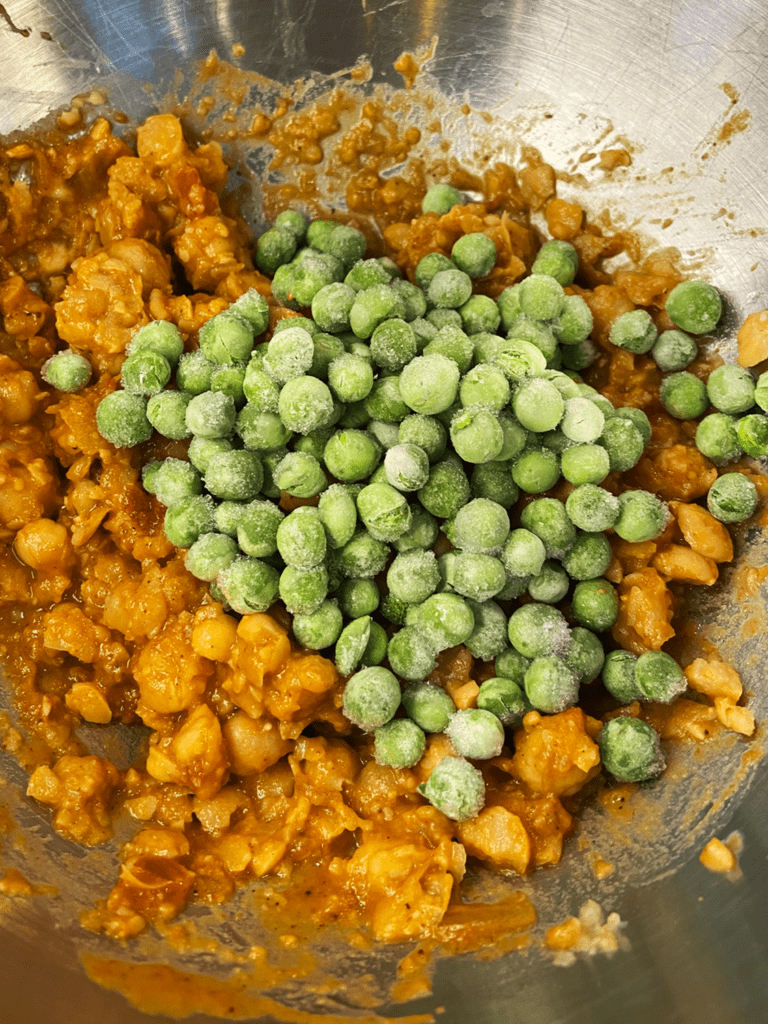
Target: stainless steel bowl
<point>686,84</point>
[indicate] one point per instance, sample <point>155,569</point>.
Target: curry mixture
<point>249,769</point>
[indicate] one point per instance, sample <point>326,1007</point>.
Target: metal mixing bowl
<point>676,78</point>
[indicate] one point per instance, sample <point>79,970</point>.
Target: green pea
<point>371,698</point>
<point>66,371</point>
<point>489,636</point>
<point>121,418</point>
<point>440,198</point>
<point>167,413</point>
<point>694,306</point>
<point>475,254</point>
<point>732,498</point>
<point>187,519</point>
<point>455,788</point>
<point>210,555</point>
<point>630,750</point>
<point>428,706</point>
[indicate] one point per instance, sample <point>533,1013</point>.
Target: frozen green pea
<point>160,336</point>
<point>351,644</point>
<point>282,285</point>
<point>318,230</point>
<point>479,313</point>
<point>566,385</point>
<point>331,307</point>
<point>582,421</point>
<point>257,528</point>
<point>426,432</point>
<point>477,435</point>
<point>234,476</point>
<point>619,676</point>
<point>414,299</point>
<point>371,698</point>
<point>289,354</point>
<point>338,514</point>
<point>230,379</point>
<point>406,467</point>
<point>344,242</point>
<point>550,685</point>
<point>66,371</point>
<point>684,396</point>
<point>287,323</point>
<point>595,604</point>
<point>481,525</point>
<point>253,307</point>
<point>413,576</point>
<point>210,555</point>
<point>574,325</point>
<point>429,384</point>
<point>511,664</point>
<point>624,444</point>
<point>226,338</point>
<point>167,413</point>
<point>358,597</point>
<point>121,418</point>
<point>658,677</point>
<point>637,418</point>
<point>211,415</point>
<point>293,222</point>
<point>273,249</point>
<point>300,475</point>
<point>478,576</point>
<point>455,788</point>
<point>541,297</point>
<point>732,498</point>
<point>410,654</point>
<point>634,331</point>
<point>372,306</point>
<point>548,519</point>
<point>631,750</point>
<point>731,389</point>
<point>519,359</point>
<point>585,464</point>
<point>449,289</point>
<point>752,432</point>
<point>194,373</point>
<point>585,656</point>
<point>515,587</point>
<point>311,271</point>
<point>145,373</point>
<point>174,480</point>
<point>399,743</point>
<point>487,346</point>
<point>352,455</point>
<point>538,334</point>
<point>642,516</point>
<point>558,260</point>
<point>590,507</point>
<point>384,511</point>
<point>394,610</point>
<point>489,636</point>
<point>440,198</point>
<point>579,355</point>
<point>355,416</point>
<point>523,553</point>
<point>305,404</point>
<point>485,385</point>
<point>366,273</point>
<point>538,630</point>
<point>423,332</point>
<point>188,519</point>
<point>428,706</point>
<point>249,585</point>
<point>429,265</point>
<point>446,620</point>
<point>440,318</point>
<point>674,350</point>
<point>303,591</point>
<point>556,441</point>
<point>476,733</point>
<point>326,349</point>
<point>537,470</point>
<point>717,437</point>
<point>453,343</point>
<point>363,556</point>
<point>313,443</point>
<point>261,431</point>
<point>589,557</point>
<point>318,629</point>
<point>538,405</point>
<point>446,490</point>
<point>422,532</point>
<point>259,389</point>
<point>202,450</point>
<point>385,401</point>
<point>694,306</point>
<point>300,539</point>
<point>376,650</point>
<point>761,391</point>
<point>503,698</point>
<point>550,584</point>
<point>475,254</point>
<point>387,434</point>
<point>493,481</point>
<point>227,516</point>
<point>350,377</point>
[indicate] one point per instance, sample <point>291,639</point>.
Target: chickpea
<point>214,638</point>
<point>44,544</point>
<point>253,744</point>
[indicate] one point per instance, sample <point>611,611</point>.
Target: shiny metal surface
<point>572,78</point>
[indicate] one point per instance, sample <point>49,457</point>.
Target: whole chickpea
<point>45,545</point>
